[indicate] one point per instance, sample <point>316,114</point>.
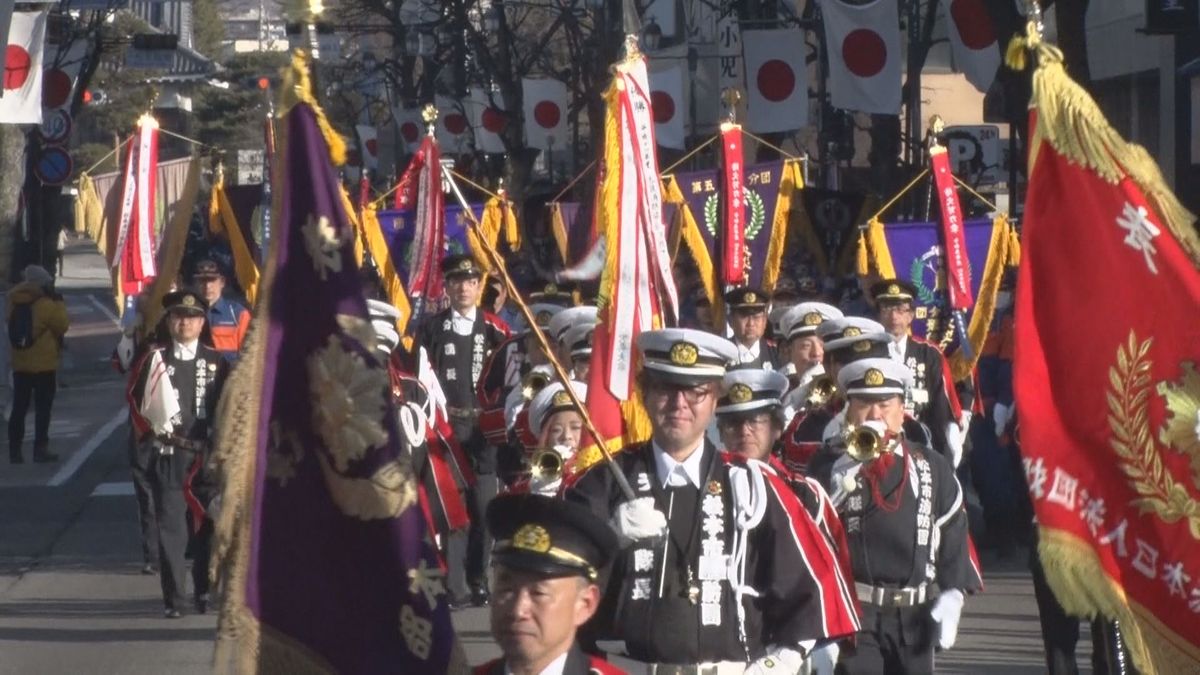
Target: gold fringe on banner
<point>558,228</point>
<point>689,232</point>
<point>89,212</point>
<point>1014,247</point>
<point>862,259</point>
<point>1072,124</point>
<point>512,231</point>
<point>393,286</point>
<point>985,302</point>
<point>221,218</point>
<point>492,222</point>
<point>790,184</point>
<point>297,88</point>
<point>877,248</point>
<point>170,251</point>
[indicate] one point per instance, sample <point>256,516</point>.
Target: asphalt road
<point>73,600</point>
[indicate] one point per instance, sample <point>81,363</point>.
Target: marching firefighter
<point>746,308</point>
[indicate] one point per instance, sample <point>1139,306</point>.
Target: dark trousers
<point>1060,633</point>
<point>141,457</point>
<point>39,388</point>
<point>168,477</point>
<point>201,549</point>
<point>469,553</point>
<point>892,642</point>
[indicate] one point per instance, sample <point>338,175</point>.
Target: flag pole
<point>498,264</point>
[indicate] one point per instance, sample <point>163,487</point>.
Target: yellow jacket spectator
<point>37,322</point>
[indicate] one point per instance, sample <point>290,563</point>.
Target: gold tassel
<point>92,213</point>
<point>512,232</point>
<point>985,303</point>
<point>880,254</point>
<point>1014,247</point>
<point>608,197</point>
<point>393,286</point>
<point>558,228</point>
<point>297,88</point>
<point>244,267</point>
<point>689,232</point>
<point>1014,56</point>
<point>790,184</point>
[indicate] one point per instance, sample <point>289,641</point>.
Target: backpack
<point>20,326</point>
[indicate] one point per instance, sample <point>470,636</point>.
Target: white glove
<point>777,661</point>
<point>964,420</point>
<point>638,519</point>
<point>1000,414</point>
<point>823,659</point>
<point>954,442</point>
<point>947,610</point>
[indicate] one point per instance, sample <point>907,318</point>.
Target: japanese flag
<point>972,41</point>
<point>864,55</point>
<point>488,120</point>
<point>61,73</point>
<point>410,128</point>
<point>545,113</point>
<point>452,126</point>
<point>22,100</point>
<point>778,80</point>
<point>666,99</point>
<point>368,143</point>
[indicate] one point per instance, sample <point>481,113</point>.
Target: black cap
<point>553,294</point>
<point>208,269</point>
<point>547,536</point>
<point>746,297</point>
<point>893,290</point>
<point>460,265</point>
<point>186,302</point>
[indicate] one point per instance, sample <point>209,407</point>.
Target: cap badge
<point>465,264</point>
<point>862,346</point>
<point>561,398</point>
<point>714,487</point>
<point>873,378</point>
<point>532,537</point>
<point>740,393</point>
<point>813,319</point>
<point>852,331</point>
<point>893,289</point>
<point>551,289</point>
<point>188,301</point>
<point>684,354</point>
<point>543,318</point>
<point>751,297</point>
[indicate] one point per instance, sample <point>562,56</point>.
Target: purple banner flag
<point>328,565</point>
<point>916,251</point>
<point>701,191</point>
<point>398,229</point>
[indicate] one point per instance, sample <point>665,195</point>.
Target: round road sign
<point>56,126</point>
<point>54,166</point>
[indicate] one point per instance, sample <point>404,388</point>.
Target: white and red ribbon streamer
<point>135,241</point>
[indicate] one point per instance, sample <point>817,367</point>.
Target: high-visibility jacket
<point>228,322</point>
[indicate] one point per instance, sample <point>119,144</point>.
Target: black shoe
<point>457,602</point>
<point>480,597</point>
<point>201,603</point>
<point>149,569</point>
<point>172,614</point>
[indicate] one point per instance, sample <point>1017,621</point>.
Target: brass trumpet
<point>546,465</point>
<point>863,443</point>
<point>534,382</point>
<point>820,391</point>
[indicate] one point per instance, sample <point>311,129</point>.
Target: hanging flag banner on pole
<point>666,98</point>
<point>135,239</point>
<point>776,79</point>
<point>545,113</point>
<point>864,55</point>
<point>958,262</point>
<point>420,190</point>
<point>972,41</point>
<point>23,63</point>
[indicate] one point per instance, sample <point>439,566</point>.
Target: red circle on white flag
<point>864,52</point>
<point>56,88</point>
<point>16,66</point>
<point>973,22</point>
<point>493,120</point>
<point>776,80</point>
<point>663,106</point>
<point>455,123</point>
<point>410,131</point>
<point>547,114</point>
<point>372,147</point>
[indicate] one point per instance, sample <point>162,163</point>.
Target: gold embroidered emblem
<point>532,537</point>
<point>551,289</point>
<point>873,378</point>
<point>561,398</point>
<point>684,354</point>
<point>750,298</point>
<point>740,393</point>
<point>1133,441</point>
<point>714,487</point>
<point>862,346</point>
<point>465,265</point>
<point>852,331</point>
<point>543,318</point>
<point>189,301</point>
<point>893,289</point>
<point>813,319</point>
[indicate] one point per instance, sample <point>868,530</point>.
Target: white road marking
<point>124,489</point>
<point>104,308</point>
<point>81,455</point>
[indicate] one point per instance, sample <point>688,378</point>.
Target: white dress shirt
<point>747,354</point>
<point>679,474</point>
<point>462,324</point>
<point>897,347</point>
<point>185,351</point>
<point>555,667</point>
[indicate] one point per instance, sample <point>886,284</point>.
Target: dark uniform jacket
<point>670,599</point>
<point>457,359</point>
<point>768,356</point>
<point>933,399</point>
<point>578,663</point>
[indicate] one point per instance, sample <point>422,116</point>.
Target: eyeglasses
<point>735,424</point>
<point>664,392</point>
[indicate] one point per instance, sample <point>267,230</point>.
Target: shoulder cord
<point>748,489</point>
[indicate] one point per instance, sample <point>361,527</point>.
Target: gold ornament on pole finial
<point>932,135</point>
<point>430,114</point>
<point>730,97</point>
